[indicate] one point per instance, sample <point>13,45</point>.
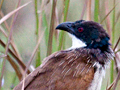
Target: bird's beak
<point>66,26</point>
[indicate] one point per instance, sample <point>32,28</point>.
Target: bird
<point>80,67</point>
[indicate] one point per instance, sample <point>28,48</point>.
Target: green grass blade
<point>45,24</point>
<point>113,37</point>
<point>62,33</point>
<point>38,58</point>
<point>96,10</point>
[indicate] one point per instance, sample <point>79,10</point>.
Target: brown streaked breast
<point>63,70</point>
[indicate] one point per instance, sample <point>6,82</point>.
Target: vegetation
<point>28,35</point>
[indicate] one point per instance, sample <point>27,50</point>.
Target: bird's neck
<point>103,45</point>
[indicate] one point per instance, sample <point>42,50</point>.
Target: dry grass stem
<point>116,44</point>
<point>6,24</point>
<point>49,49</point>
<point>89,10</point>
<point>108,20</point>
<point>21,64</point>
<point>11,13</point>
<point>108,13</point>
<point>116,81</point>
<point>3,31</point>
<point>31,58</point>
<point>84,9</point>
<point>16,68</point>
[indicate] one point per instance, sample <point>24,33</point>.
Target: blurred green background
<point>43,16</point>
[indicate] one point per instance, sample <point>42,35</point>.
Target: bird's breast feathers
<point>68,70</point>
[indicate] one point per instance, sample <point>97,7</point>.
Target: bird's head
<point>90,33</point>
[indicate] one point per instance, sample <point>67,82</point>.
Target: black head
<point>90,32</point>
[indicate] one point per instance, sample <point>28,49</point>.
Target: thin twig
<point>3,31</point>
<point>110,87</point>
<point>34,52</point>
<point>116,65</point>
<point>11,27</point>
<point>12,42</point>
<point>108,13</point>
<point>6,52</point>
<point>83,10</point>
<point>117,18</point>
<point>116,80</point>
<point>15,66</point>
<point>11,13</point>
<point>22,65</point>
<point>31,58</point>
<point>116,44</point>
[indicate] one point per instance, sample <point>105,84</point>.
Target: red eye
<point>80,29</point>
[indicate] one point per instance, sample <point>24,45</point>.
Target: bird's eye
<point>80,29</point>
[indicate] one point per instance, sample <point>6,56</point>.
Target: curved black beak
<point>66,26</point>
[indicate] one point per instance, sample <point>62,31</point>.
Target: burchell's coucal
<point>80,67</point>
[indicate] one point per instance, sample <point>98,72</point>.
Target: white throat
<point>77,43</point>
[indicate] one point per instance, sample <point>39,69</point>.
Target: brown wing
<point>64,70</point>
